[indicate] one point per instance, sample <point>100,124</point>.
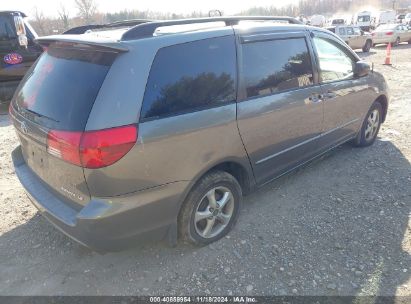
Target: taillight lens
<point>92,149</point>
<point>389,33</point>
<point>65,145</point>
<point>104,147</point>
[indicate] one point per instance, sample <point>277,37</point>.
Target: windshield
<point>363,18</point>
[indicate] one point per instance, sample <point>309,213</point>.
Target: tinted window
<point>63,85</point>
<point>6,28</point>
<point>191,76</point>
<point>335,64</point>
<point>274,66</point>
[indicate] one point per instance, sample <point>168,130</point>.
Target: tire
<point>397,41</point>
<point>367,46</point>
<point>368,132</point>
<point>196,217</point>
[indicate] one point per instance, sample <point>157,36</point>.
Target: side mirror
<point>361,69</point>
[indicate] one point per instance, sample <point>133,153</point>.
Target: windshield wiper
<point>39,115</point>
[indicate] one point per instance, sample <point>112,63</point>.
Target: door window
<point>335,63</point>
<point>350,31</point>
<point>277,65</point>
<point>341,30</point>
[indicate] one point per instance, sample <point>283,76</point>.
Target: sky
<point>50,7</point>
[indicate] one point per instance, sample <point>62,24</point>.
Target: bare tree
<point>86,9</point>
<point>40,21</point>
<point>64,16</point>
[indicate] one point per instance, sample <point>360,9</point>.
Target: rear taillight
<point>92,149</point>
<point>389,33</point>
<point>65,145</point>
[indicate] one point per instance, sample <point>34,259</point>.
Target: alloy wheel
<point>373,123</point>
<point>214,212</point>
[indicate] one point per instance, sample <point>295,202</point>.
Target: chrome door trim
<point>342,141</point>
<point>305,142</point>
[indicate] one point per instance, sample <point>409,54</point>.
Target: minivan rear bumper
<point>107,224</point>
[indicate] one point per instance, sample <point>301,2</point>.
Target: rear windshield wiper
<point>39,115</point>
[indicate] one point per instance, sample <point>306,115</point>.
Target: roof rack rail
<point>14,13</point>
<point>82,29</point>
<point>147,29</point>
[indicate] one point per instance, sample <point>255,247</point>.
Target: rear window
<point>190,77</point>
<point>6,28</point>
<point>62,86</point>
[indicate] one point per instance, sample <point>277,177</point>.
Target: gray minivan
<point>157,130</point>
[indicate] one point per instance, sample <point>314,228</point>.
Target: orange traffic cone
<point>388,56</point>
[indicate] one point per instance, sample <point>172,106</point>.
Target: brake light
<point>92,149</point>
<point>65,145</point>
<point>104,147</point>
<point>389,33</point>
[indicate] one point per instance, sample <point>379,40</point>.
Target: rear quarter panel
<point>172,149</point>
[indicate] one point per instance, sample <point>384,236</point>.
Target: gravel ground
<point>339,226</point>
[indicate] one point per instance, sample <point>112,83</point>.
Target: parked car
<point>363,20</point>
<point>407,19</point>
<point>400,18</point>
<point>149,135</point>
<point>392,33</point>
<point>18,51</point>
<point>354,37</point>
<point>385,17</point>
<point>337,21</point>
<point>368,21</point>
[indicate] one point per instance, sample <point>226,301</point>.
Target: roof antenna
<point>215,13</point>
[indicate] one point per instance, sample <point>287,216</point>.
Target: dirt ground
<point>339,226</point>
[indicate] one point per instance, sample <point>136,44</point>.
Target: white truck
<point>363,20</point>
<point>318,20</point>
<point>368,20</point>
<point>385,17</point>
